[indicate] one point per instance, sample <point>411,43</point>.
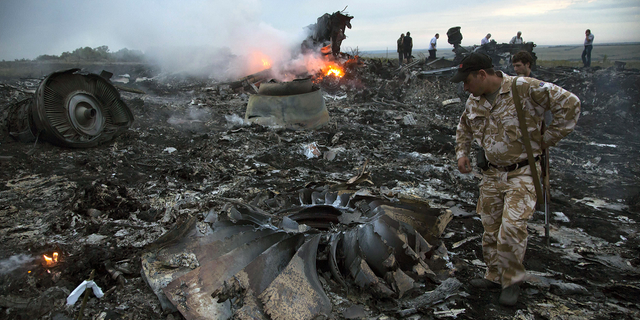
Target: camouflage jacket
<point>496,127</point>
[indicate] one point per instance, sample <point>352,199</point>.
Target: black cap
<point>473,62</point>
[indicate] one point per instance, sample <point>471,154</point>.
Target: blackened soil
<point>182,156</point>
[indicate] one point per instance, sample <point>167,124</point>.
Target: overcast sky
<point>29,28</point>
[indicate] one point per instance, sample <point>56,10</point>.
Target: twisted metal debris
<point>252,264</point>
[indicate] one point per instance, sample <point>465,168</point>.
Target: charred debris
<point>327,34</point>
<point>226,200</point>
<point>71,109</point>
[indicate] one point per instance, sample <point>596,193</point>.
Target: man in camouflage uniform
<point>507,194</point>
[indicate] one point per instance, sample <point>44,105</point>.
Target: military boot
<point>509,295</point>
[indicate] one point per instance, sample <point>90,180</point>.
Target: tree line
<point>98,54</point>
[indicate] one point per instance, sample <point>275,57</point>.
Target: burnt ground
<point>187,152</point>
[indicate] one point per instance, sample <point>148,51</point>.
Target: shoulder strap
<point>527,140</point>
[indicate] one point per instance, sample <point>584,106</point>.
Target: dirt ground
<point>188,151</point>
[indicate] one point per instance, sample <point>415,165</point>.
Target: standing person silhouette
<point>400,49</point>
<point>407,45</point>
<point>588,46</point>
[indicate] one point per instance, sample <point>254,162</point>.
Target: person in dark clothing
<point>400,49</point>
<point>407,45</point>
<point>522,63</point>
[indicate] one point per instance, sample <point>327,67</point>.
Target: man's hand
<point>464,165</point>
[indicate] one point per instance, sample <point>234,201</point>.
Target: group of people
<point>586,53</point>
<point>517,39</point>
<point>405,46</point>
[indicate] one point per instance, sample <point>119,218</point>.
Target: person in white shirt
<point>432,46</point>
<point>517,39</point>
<point>485,40</point>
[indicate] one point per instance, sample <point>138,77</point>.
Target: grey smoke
<point>212,38</point>
<point>14,262</point>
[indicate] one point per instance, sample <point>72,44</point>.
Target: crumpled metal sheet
<point>206,243</point>
<point>264,272</point>
<point>294,105</point>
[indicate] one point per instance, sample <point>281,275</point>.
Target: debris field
<point>195,211</point>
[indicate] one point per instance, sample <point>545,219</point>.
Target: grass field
<point>619,52</point>
<point>39,69</point>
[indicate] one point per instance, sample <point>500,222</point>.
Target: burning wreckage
<point>193,212</point>
<point>251,264</point>
<point>327,33</point>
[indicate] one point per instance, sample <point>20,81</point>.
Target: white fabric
<point>73,297</point>
<point>432,43</point>
<point>484,41</point>
<point>588,40</point>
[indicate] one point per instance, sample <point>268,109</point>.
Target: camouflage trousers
<point>507,200</point>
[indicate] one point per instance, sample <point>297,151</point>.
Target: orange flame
<point>50,261</point>
<point>333,70</point>
<point>258,61</point>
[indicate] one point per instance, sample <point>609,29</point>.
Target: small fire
<point>50,261</point>
<point>258,61</point>
<point>333,70</point>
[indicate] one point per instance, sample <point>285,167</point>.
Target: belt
<point>514,166</point>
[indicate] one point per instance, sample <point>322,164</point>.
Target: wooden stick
<point>86,296</point>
